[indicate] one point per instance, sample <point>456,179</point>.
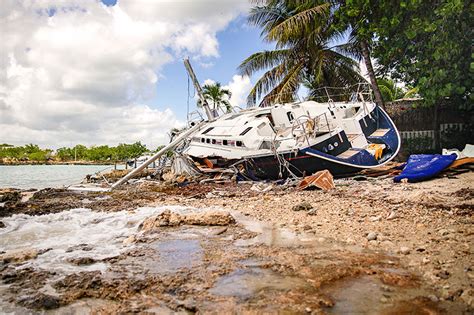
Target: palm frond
<point>263,60</point>
<point>298,23</point>
<point>286,90</point>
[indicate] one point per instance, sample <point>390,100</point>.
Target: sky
<point>108,72</point>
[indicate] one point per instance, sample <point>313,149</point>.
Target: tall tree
<point>302,32</point>
<point>428,44</point>
<point>217,97</point>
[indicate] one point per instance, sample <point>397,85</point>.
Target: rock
<point>129,240</point>
<point>375,219</point>
<point>425,260</point>
<point>468,297</point>
<point>169,218</point>
<point>82,261</point>
<point>41,301</point>
<point>443,232</point>
<point>404,250</point>
<point>10,196</point>
<point>219,231</point>
<point>2,225</point>
<point>304,206</point>
<point>383,299</point>
<point>308,310</point>
<point>372,236</point>
<point>443,274</point>
<point>19,256</point>
<point>433,298</point>
<point>392,215</point>
<point>312,212</point>
<point>84,247</point>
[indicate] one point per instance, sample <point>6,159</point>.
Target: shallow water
<point>43,176</point>
<point>67,233</point>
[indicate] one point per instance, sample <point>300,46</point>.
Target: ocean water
<point>43,176</point>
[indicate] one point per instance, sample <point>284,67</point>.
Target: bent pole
<point>204,103</point>
<point>170,146</point>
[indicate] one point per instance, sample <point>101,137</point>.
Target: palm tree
<point>217,97</point>
<point>302,32</point>
<point>390,92</point>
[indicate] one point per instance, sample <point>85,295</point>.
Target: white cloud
<point>239,87</point>
<point>79,71</point>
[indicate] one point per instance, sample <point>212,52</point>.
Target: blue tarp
<point>424,166</point>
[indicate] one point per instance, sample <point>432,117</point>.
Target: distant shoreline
<point>17,163</point>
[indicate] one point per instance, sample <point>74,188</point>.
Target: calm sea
<point>43,176</point>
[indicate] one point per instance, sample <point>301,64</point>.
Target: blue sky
<point>236,42</point>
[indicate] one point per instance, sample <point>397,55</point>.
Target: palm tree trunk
<point>371,73</point>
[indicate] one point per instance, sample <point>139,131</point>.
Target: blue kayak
<point>421,167</point>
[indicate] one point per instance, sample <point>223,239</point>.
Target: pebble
<point>375,219</point>
<point>372,236</point>
<point>303,206</point>
<point>433,298</point>
<point>312,212</point>
<point>392,215</point>
<point>425,260</point>
<point>443,232</point>
<point>404,250</point>
<point>2,225</point>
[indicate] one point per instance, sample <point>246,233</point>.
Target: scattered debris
<point>322,180</point>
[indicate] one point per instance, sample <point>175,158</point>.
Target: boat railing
<point>353,93</point>
<point>305,128</point>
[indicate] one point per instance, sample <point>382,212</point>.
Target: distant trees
<point>28,152</point>
<point>32,152</point>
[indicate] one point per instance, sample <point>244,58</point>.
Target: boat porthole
<point>330,147</point>
<point>336,144</point>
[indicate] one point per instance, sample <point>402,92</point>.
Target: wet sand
<point>365,247</point>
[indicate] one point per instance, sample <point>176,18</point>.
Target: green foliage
<point>28,152</point>
<point>391,92</point>
<point>303,33</point>
<point>79,152</point>
<point>427,44</point>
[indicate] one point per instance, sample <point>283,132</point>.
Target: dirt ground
<point>369,246</point>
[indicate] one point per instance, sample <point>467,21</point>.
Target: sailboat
<point>291,139</point>
<point>296,138</point>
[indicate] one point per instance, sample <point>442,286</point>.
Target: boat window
<point>245,131</point>
<point>208,140</point>
<point>290,116</point>
<point>224,142</point>
<point>207,130</point>
<point>203,140</point>
<point>213,141</point>
<point>239,143</point>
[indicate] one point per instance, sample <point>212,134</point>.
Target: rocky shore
<point>369,246</point>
